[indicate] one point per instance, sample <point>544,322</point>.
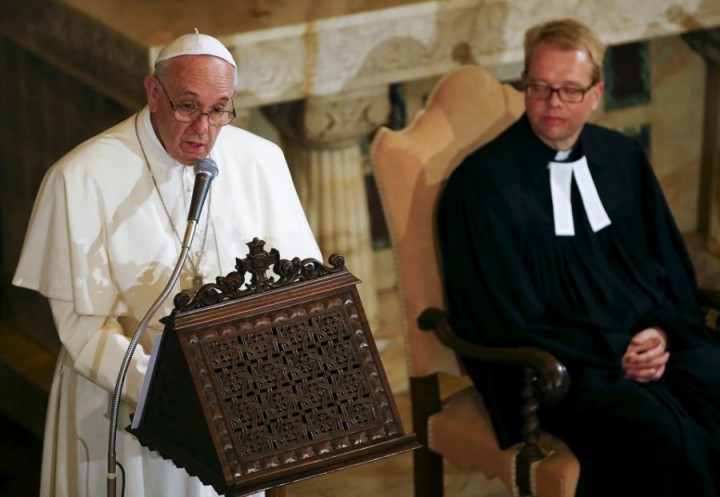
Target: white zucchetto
<point>195,44</point>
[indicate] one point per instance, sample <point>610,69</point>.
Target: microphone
<point>205,172</point>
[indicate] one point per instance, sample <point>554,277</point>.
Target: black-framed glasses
<point>568,94</point>
<point>188,113</point>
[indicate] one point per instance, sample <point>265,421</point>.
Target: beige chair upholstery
<point>467,108</point>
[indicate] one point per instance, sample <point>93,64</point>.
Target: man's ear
<point>598,91</point>
<point>151,90</point>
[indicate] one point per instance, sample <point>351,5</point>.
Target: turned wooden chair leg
<point>427,465</point>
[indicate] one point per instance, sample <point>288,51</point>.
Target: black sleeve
<point>666,246</point>
<point>490,296</point>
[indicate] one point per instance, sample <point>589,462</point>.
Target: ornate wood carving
<point>260,384</point>
<point>257,263</point>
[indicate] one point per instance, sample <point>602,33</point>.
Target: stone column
<point>707,44</point>
<point>705,245</point>
<point>323,140</point>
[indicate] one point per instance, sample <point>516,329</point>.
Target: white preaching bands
<point>561,174</point>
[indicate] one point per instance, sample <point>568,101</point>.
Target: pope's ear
<point>151,90</point>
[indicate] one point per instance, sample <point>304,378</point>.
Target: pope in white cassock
<point>105,236</point>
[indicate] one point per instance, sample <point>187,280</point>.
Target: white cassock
<point>101,248</point>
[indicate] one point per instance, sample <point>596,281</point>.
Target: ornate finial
<point>257,263</point>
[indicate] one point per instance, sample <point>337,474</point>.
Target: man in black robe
<point>557,235</point>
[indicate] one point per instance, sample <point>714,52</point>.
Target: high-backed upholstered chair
<point>467,108</point>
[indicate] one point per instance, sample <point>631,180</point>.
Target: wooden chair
<point>466,109</point>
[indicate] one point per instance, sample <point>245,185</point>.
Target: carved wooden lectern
<point>264,380</point>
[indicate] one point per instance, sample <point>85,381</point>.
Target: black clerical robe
<point>510,280</point>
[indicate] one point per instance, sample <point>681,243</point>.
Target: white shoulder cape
<point>99,237</point>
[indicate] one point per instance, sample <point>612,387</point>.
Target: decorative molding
<point>313,55</point>
<point>332,121</point>
<point>419,40</point>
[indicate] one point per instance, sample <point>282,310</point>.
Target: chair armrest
<point>710,303</point>
<point>552,382</point>
<point>546,380</point>
<point>709,298</point>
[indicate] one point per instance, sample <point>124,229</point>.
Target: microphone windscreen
<point>206,165</point>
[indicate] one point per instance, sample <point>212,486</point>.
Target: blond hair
<point>568,34</point>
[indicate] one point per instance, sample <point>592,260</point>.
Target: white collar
<point>561,174</point>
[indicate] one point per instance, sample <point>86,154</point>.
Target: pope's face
<point>204,81</point>
<point>555,122</point>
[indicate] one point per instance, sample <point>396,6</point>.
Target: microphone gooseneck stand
<point>205,170</point>
<point>112,456</point>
